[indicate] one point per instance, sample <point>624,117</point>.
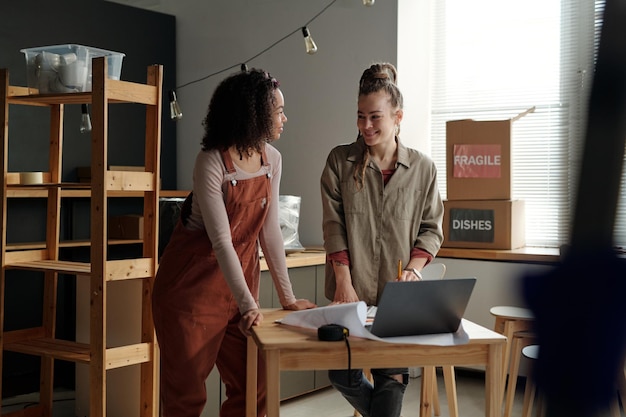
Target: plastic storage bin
<point>66,68</point>
<point>114,63</point>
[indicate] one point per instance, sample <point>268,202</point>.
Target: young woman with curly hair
<point>206,292</point>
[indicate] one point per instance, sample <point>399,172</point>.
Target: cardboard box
<point>478,159</point>
<point>128,226</point>
<point>484,224</point>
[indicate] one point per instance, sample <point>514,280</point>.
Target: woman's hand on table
<point>345,294</point>
<point>250,318</point>
<point>300,304</point>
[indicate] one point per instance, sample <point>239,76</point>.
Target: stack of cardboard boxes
<point>479,211</point>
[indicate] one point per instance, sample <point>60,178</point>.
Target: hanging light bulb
<point>311,48</point>
<point>85,120</point>
<point>175,111</point>
<point>368,3</point>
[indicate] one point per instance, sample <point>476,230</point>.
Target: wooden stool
<point>521,340</point>
<point>531,352</point>
<point>510,320</point>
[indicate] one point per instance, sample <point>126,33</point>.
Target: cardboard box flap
<point>524,113</point>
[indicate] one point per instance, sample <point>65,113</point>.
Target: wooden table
<point>293,348</point>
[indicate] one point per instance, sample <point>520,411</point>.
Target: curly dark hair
<point>240,112</point>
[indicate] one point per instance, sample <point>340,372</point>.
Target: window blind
<point>492,60</point>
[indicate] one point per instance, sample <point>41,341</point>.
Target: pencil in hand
<point>399,269</point>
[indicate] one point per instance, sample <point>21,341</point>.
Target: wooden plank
<point>25,256</point>
<point>119,92</point>
<point>23,334</point>
<point>52,265</point>
<point>67,244</point>
<point>47,99</point>
<point>129,181</point>
<point>526,254</point>
<point>54,348</point>
<point>148,395</point>
<point>99,215</point>
<point>20,91</point>
<point>125,91</point>
<point>129,269</point>
<point>4,163</point>
<point>300,259</point>
<point>82,191</point>
<point>118,357</point>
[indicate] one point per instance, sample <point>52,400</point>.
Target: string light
<point>311,48</point>
<point>85,119</point>
<point>309,43</point>
<point>175,112</point>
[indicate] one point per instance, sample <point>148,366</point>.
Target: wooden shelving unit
<point>44,257</point>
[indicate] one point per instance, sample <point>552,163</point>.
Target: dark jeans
<point>383,398</point>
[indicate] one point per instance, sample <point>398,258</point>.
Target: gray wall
<point>320,90</point>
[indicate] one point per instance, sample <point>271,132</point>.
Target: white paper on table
<point>353,316</point>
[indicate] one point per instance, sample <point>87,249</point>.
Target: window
<point>491,60</point>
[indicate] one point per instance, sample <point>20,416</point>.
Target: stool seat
<point>531,352</point>
<point>516,324</point>
<point>514,313</point>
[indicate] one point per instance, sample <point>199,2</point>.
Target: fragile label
<point>471,225</point>
<point>477,161</point>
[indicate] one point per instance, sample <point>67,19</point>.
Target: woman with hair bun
<point>206,292</point>
<point>381,205</point>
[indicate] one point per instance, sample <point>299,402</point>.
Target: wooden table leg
<point>450,383</point>
<point>427,393</point>
<point>251,378</point>
<point>493,381</point>
<point>272,361</point>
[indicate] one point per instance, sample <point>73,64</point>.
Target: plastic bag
<point>289,217</point>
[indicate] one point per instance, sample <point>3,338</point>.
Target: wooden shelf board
<point>54,348</point>
<point>68,244</point>
<point>41,192</point>
<point>118,92</point>
<point>117,357</point>
<point>78,268</point>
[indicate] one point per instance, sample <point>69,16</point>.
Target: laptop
<point>413,308</point>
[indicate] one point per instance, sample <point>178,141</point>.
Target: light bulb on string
<point>368,3</point>
<point>85,120</point>
<point>175,112</point>
<point>311,48</point>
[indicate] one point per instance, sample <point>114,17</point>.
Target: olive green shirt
<point>378,224</point>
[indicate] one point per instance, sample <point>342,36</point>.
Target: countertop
<point>308,257</point>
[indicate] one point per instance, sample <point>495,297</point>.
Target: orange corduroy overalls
<point>195,314</point>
